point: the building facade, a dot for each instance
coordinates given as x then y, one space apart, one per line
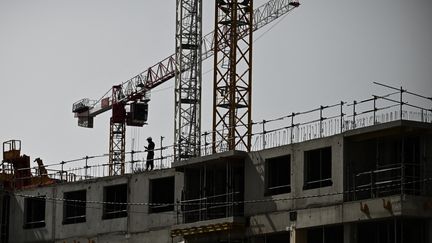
366 185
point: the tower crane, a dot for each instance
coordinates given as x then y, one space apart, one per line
128 101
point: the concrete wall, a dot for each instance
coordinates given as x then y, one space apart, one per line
137 226
16 231
255 178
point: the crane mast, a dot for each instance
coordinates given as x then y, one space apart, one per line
188 79
232 122
135 92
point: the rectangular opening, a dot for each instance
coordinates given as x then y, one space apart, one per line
376 166
317 168
74 207
397 230
325 234
213 191
161 195
116 198
34 212
278 175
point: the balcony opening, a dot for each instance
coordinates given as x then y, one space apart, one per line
278 175
74 207
213 191
116 201
34 212
161 195
317 168
383 165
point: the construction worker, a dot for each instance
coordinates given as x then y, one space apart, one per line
150 153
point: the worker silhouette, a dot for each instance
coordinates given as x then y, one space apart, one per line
150 153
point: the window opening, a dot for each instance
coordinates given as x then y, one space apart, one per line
74 207
115 198
161 195
278 175
34 212
317 168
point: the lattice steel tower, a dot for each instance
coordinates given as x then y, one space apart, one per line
117 133
188 79
232 75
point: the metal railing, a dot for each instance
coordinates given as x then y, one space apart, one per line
296 127
208 207
388 180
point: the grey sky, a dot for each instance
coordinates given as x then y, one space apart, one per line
55 52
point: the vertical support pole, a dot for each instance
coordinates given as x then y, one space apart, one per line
205 142
132 161
263 134
374 109
292 127
401 103
354 113
86 167
62 171
320 122
161 151
341 116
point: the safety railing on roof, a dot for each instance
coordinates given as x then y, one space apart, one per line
296 127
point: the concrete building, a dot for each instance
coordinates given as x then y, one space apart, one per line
365 185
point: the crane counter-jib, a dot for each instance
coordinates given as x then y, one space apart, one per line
141 84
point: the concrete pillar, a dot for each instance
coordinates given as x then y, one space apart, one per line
350 233
297 235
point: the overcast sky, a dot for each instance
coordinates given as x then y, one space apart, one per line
55 52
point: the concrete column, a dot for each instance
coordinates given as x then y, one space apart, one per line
350 233
297 235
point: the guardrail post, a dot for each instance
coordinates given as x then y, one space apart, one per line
354 114
374 109
132 161
321 119
401 101
341 116
86 167
263 133
161 151
62 171
292 128
205 142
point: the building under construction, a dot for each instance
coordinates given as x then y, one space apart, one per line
357 177
349 172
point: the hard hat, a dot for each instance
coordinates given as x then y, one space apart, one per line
149 138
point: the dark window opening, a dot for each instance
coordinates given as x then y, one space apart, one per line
34 212
161 195
393 231
278 175
332 234
74 207
115 198
317 168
